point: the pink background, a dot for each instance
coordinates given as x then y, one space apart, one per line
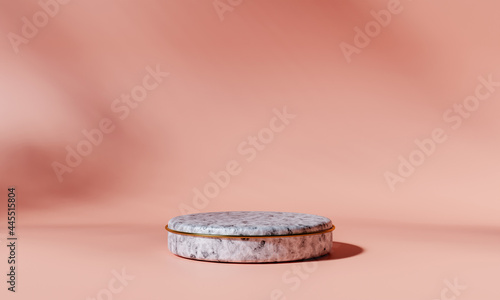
353 120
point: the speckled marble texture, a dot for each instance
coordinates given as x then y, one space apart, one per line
250 223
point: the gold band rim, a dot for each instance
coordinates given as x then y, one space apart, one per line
247 236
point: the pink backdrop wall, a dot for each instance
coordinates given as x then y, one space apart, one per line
231 66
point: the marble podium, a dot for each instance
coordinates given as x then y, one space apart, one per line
250 236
